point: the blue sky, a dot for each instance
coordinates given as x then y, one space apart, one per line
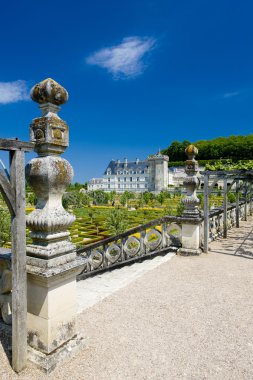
139 73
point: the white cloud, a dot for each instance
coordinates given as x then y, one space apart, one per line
125 60
230 94
12 92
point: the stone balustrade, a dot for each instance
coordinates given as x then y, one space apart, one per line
5 285
160 235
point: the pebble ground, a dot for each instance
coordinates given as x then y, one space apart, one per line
188 318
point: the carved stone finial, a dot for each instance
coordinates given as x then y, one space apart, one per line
191 183
49 91
49 133
49 175
191 151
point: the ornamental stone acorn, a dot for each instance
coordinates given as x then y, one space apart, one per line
191 183
49 91
49 133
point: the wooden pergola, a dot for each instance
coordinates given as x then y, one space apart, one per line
12 187
241 179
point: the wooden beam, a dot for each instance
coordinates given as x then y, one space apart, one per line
13 144
225 208
216 180
230 186
7 193
206 213
18 241
237 216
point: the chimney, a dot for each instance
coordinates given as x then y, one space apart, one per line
137 161
125 162
118 162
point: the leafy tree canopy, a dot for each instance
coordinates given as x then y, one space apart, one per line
232 147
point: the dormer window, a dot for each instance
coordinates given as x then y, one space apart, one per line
109 172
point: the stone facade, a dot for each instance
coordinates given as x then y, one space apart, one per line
95 184
137 176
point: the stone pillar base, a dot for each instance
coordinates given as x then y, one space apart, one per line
188 252
48 362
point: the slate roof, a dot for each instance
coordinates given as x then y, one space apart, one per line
131 165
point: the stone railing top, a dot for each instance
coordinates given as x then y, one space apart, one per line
173 219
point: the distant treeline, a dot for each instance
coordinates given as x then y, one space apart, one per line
233 147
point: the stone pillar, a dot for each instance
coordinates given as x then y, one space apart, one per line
52 264
191 215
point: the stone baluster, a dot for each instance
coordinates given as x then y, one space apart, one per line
191 214
52 264
5 286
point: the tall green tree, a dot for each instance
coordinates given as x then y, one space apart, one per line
116 221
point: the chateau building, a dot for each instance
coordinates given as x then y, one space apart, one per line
95 184
148 175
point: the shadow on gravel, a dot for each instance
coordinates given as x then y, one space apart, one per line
5 339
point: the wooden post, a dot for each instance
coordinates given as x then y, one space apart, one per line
206 213
237 215
164 233
250 199
225 208
18 241
245 200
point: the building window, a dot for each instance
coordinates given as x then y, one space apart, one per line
131 178
138 178
138 186
118 186
125 179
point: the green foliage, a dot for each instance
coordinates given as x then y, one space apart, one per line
148 197
231 197
5 227
100 197
176 150
75 199
169 211
161 197
201 200
31 199
123 200
234 147
111 196
229 165
116 221
180 209
77 186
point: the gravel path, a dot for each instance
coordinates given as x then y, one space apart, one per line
189 318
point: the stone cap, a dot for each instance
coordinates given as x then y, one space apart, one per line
49 91
191 151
